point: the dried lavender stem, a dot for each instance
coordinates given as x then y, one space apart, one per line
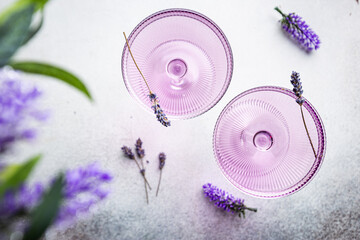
307 131
127 43
142 163
146 191
158 187
142 174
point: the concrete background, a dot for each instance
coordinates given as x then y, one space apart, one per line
86 37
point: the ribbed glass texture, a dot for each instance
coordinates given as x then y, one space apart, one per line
261 144
185 58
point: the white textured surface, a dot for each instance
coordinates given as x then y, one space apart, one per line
86 37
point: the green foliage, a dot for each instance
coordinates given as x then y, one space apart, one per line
45 213
13 175
16 30
34 29
21 4
52 71
13 32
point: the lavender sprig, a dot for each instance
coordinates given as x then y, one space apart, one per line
138 148
162 158
295 81
128 153
23 198
17 109
82 189
299 30
225 200
140 152
160 115
153 98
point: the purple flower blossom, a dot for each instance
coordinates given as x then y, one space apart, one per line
295 81
17 109
299 30
83 188
21 199
128 152
225 201
162 158
161 116
138 148
141 153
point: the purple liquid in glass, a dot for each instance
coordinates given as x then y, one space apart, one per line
185 58
261 145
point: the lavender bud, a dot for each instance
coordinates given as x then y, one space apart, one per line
127 151
162 158
295 81
160 115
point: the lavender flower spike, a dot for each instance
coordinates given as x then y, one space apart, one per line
21 199
154 100
158 111
295 81
83 188
225 201
18 110
138 148
162 158
140 152
299 30
127 151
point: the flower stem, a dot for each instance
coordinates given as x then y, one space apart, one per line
158 187
142 174
282 14
146 191
127 43
250 209
307 131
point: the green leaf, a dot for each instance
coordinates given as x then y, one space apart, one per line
52 71
13 175
44 215
34 30
20 4
13 32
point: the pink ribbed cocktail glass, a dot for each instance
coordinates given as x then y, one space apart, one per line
185 58
261 145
